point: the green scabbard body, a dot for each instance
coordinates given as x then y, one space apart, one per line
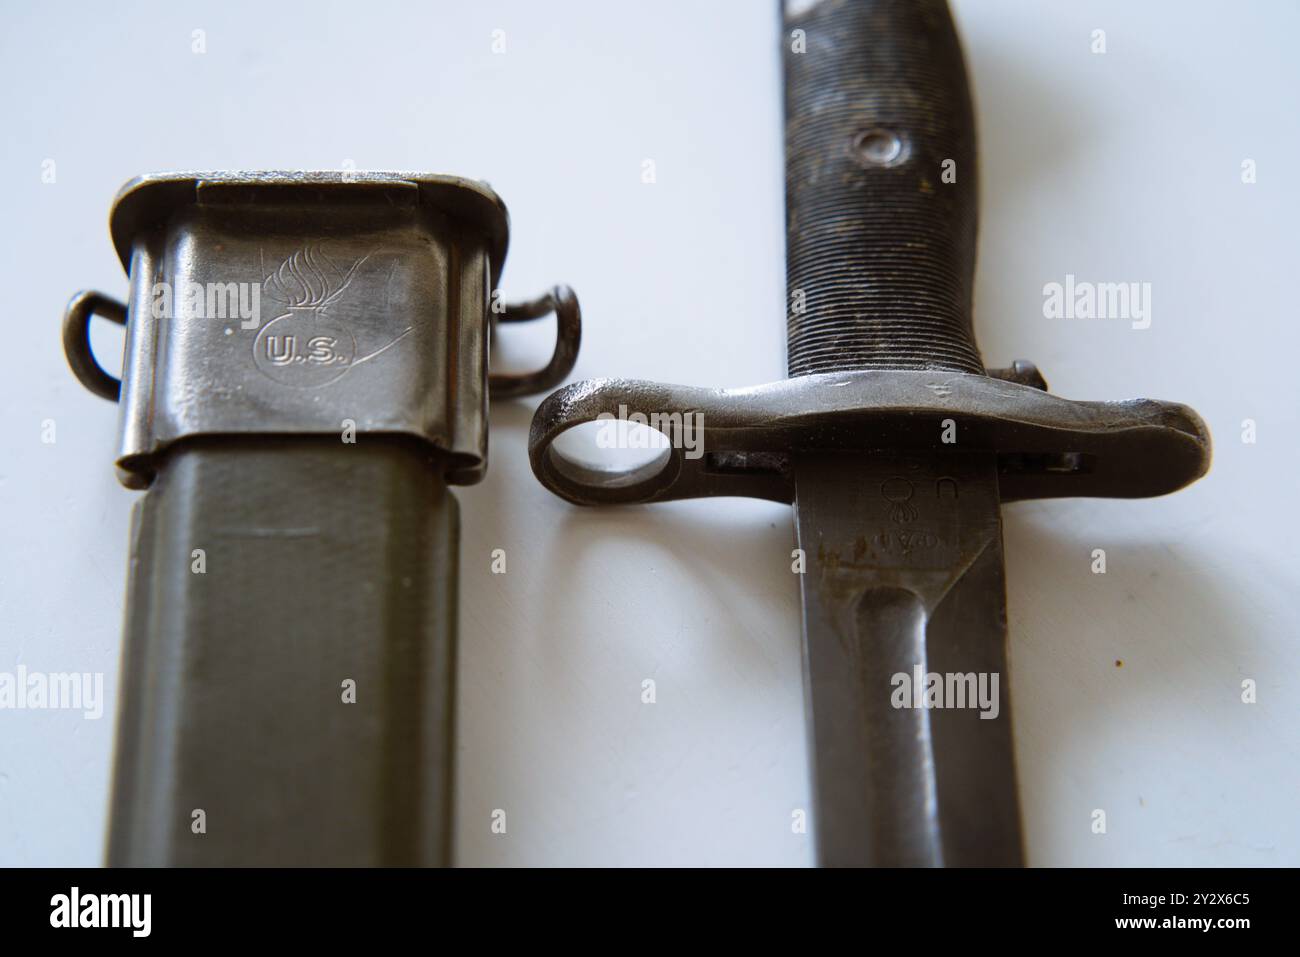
288 674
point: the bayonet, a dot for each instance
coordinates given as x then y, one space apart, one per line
892 441
306 373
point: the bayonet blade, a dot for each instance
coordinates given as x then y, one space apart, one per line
905 659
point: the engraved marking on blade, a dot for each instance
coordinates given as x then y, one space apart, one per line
898 492
906 541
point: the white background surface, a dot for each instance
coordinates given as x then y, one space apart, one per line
1116 167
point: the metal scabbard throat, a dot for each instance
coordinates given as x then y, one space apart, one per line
306 372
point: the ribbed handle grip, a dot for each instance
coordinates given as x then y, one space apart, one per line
881 188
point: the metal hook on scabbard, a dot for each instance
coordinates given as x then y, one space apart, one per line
84 306
568 337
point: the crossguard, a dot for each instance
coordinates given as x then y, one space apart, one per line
1048 447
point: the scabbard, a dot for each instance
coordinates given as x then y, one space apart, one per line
291 699
306 374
